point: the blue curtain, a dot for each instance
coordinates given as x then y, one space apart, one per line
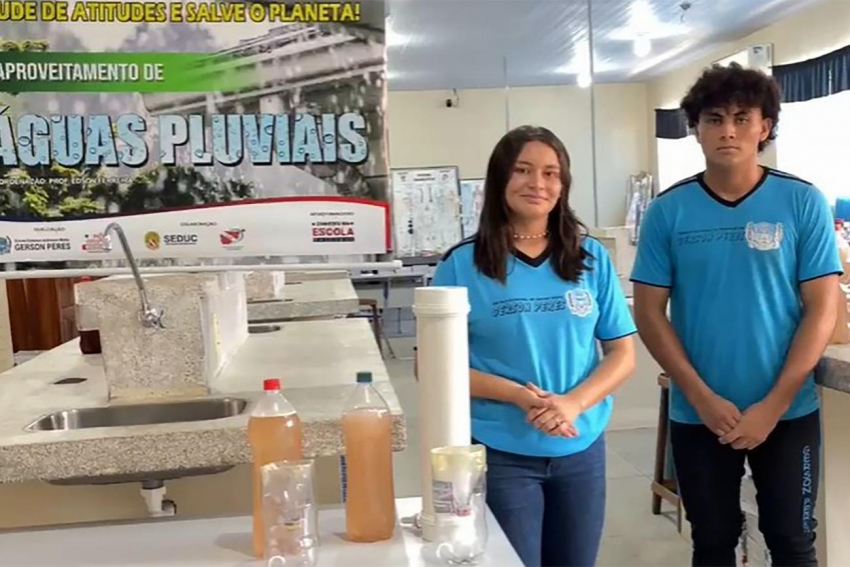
842 209
823 76
671 124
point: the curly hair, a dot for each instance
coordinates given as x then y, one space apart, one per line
722 87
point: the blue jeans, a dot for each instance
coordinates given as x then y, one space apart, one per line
551 509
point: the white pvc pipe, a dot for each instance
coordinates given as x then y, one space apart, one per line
77 272
443 369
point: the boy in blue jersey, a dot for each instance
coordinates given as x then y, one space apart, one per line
541 296
746 257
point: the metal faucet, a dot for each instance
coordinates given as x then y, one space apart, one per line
150 316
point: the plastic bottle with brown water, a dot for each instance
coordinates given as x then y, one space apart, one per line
274 432
370 497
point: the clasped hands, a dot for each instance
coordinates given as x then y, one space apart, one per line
550 413
743 431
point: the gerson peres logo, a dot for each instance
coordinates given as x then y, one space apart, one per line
5 245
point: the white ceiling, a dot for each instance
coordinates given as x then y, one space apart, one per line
446 44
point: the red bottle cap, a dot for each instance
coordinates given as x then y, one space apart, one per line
271 384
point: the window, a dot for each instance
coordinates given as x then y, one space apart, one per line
813 143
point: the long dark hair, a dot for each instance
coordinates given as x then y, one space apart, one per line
494 240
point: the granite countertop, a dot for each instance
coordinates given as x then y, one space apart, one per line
316 360
833 371
314 298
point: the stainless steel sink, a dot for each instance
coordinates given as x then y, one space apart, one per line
140 414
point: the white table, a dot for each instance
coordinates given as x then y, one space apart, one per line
218 542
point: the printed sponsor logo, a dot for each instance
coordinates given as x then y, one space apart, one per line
152 240
96 243
42 245
231 237
333 231
5 245
180 239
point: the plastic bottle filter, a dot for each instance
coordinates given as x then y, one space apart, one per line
442 342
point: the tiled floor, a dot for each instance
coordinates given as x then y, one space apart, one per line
633 537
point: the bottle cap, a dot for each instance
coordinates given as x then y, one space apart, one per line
271 384
439 301
364 377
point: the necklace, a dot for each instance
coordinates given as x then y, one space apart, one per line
531 236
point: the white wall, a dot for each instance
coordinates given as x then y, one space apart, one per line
813 32
566 112
423 132
622 145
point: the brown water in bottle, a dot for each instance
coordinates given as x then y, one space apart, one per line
370 498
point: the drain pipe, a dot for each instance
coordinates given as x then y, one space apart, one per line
153 491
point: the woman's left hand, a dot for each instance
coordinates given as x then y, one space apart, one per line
560 418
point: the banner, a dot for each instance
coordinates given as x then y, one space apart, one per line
163 115
288 226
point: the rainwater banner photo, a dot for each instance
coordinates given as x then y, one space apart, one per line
206 129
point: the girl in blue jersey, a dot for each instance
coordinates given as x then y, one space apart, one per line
542 295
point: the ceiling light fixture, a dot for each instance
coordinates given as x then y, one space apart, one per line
642 47
662 57
643 22
392 38
642 16
584 79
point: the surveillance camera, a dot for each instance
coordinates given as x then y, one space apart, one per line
449 103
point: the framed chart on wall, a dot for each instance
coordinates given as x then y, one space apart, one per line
471 202
426 210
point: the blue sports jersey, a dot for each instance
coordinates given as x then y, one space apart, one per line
538 328
734 271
